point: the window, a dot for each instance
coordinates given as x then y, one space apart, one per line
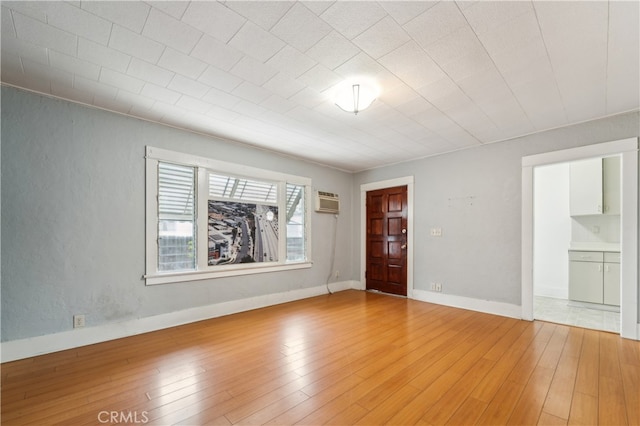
207 219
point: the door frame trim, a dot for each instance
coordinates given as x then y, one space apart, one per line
628 150
372 186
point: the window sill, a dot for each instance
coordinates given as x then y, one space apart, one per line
170 278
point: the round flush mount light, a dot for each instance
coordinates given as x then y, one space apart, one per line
355 96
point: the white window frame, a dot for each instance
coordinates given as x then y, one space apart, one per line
203 167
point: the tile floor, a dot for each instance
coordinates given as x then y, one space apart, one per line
560 311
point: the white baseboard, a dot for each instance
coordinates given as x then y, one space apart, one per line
25 348
478 305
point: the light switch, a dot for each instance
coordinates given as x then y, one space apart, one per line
436 232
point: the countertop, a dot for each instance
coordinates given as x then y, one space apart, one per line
610 247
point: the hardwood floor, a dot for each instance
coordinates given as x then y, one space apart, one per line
348 358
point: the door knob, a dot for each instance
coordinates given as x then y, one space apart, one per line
404 230
404 246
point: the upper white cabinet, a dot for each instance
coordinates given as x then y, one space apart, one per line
595 186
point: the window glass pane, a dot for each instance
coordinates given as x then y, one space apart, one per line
242 232
295 223
176 218
230 187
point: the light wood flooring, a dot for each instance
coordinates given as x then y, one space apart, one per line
348 358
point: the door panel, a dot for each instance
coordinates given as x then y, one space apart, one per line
387 240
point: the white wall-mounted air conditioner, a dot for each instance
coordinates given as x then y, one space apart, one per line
327 202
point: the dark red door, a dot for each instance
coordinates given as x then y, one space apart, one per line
387 240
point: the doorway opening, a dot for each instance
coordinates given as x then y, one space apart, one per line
627 150
576 269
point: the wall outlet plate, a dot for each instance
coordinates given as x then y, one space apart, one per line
78 321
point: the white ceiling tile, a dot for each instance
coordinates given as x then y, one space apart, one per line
34 69
120 80
96 88
333 50
128 14
65 91
623 68
263 13
383 37
134 44
252 70
308 98
220 113
485 16
319 6
36 32
74 65
455 45
220 98
101 55
135 99
161 94
74 20
435 23
8 29
415 106
173 8
398 96
360 65
216 53
33 9
291 62
11 71
23 49
251 92
283 85
149 72
404 11
170 31
512 35
256 42
217 78
484 84
249 108
214 19
181 63
301 28
411 64
352 18
192 104
320 78
188 86
278 104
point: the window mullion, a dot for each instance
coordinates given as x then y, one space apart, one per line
202 231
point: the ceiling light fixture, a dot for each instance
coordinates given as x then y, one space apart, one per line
354 97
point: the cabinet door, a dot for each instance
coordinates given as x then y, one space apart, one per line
611 185
585 183
586 282
612 284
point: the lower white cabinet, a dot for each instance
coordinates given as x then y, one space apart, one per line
594 277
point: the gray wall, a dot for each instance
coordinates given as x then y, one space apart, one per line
73 215
474 195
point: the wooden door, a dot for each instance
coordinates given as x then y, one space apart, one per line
387 240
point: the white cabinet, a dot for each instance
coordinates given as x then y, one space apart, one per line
594 277
611 279
595 186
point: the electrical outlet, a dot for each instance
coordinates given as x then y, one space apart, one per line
337 274
438 287
78 321
433 287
